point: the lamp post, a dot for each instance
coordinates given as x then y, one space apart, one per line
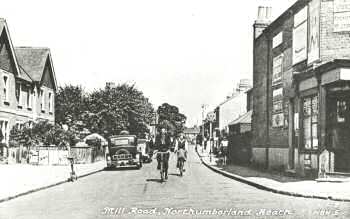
211 118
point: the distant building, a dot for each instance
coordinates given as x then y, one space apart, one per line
191 133
233 106
110 85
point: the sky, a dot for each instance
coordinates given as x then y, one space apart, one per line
183 52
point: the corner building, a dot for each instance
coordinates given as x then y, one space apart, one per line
301 88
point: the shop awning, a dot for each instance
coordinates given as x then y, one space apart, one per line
244 119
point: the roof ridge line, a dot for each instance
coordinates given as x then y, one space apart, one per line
26 72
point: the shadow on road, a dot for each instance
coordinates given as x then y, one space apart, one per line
120 169
174 174
154 180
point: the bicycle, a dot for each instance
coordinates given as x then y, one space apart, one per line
181 162
163 163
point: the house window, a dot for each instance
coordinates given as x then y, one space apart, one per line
30 99
18 94
341 111
280 109
24 98
4 127
277 70
50 102
19 125
6 88
42 103
310 122
286 112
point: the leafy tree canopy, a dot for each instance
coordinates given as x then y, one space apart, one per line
105 111
169 117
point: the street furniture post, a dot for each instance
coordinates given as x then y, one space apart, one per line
73 175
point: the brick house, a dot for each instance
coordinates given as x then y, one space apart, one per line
301 80
27 84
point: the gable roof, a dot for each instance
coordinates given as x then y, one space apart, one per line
3 27
32 61
24 75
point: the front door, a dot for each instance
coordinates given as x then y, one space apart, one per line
338 129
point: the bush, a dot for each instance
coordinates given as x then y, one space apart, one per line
41 133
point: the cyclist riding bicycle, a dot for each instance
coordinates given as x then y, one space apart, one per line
162 144
181 149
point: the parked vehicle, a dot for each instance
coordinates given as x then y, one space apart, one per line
123 152
143 147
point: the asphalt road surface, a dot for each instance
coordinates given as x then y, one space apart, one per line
200 193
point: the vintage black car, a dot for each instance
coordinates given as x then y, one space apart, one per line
123 152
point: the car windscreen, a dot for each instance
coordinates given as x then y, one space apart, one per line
122 141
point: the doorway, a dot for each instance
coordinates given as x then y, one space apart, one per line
338 129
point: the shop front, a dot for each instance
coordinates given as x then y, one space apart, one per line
338 124
321 130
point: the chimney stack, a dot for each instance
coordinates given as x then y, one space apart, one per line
262 21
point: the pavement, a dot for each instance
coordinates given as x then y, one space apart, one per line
130 193
279 183
21 179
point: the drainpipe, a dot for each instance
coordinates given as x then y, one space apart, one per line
268 100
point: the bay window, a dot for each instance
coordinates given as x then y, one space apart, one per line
310 122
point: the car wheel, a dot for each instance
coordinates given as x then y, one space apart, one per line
140 164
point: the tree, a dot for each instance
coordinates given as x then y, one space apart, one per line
120 108
70 104
105 111
170 118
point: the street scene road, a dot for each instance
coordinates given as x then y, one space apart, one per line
140 194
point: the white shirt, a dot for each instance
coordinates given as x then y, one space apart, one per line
177 143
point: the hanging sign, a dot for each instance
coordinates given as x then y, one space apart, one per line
313 52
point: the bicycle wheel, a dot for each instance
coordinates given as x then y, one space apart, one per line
162 168
181 164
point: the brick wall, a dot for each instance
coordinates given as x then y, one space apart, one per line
278 158
277 137
259 116
259 156
332 45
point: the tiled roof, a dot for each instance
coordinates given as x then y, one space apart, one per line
3 27
32 61
245 118
24 75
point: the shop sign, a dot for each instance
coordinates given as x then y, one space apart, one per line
296 121
277 40
277 120
341 5
277 93
211 117
314 32
341 15
299 43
